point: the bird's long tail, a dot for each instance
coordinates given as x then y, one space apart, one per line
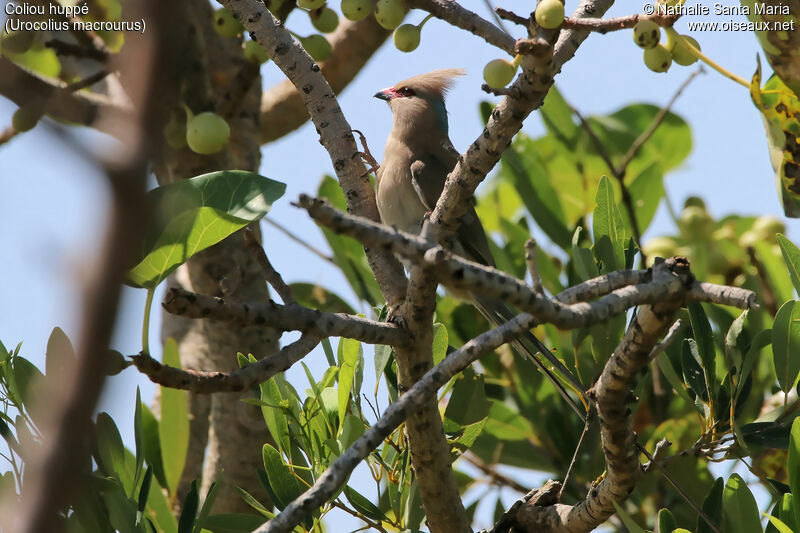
530 346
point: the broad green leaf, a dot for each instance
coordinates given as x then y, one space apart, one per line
189 509
793 467
779 525
173 429
468 403
630 523
284 484
741 510
786 344
349 351
440 343
760 341
666 522
557 117
791 256
348 254
159 509
193 214
779 107
320 298
110 447
786 511
234 523
506 424
60 354
152 444
692 369
43 61
363 505
274 415
776 274
766 435
352 429
583 259
26 377
607 225
712 507
647 190
383 354
705 342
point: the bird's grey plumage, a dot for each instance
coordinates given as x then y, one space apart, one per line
417 159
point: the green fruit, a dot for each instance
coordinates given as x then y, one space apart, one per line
207 133
324 19
695 222
25 118
175 132
767 226
681 53
17 42
406 37
356 10
255 53
646 34
317 47
389 13
226 24
549 14
658 59
311 4
498 73
694 200
661 247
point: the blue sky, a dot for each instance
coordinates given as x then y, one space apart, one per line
52 205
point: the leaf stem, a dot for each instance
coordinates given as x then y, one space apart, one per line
707 60
146 321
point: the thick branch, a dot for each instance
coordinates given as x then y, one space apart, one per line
235 381
57 100
465 19
612 395
283 109
283 317
335 133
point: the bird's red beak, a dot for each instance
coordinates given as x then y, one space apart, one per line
386 94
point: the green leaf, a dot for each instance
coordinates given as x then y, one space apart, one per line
557 116
712 507
284 484
779 525
110 447
760 341
349 353
630 523
363 505
193 214
583 259
766 435
60 354
189 510
692 369
468 403
733 344
793 467
741 510
610 232
26 376
647 190
255 504
152 444
506 424
705 342
319 298
791 256
138 435
233 523
666 522
274 415
440 343
144 494
208 503
786 344
173 430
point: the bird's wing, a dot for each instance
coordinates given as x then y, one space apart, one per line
428 174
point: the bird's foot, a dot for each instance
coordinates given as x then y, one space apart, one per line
366 155
394 316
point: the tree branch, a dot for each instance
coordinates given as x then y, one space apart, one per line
234 381
465 19
335 133
291 317
353 43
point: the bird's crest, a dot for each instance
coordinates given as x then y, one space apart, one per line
437 82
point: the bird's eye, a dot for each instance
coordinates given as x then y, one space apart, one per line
406 91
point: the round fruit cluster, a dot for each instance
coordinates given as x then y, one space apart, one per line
682 49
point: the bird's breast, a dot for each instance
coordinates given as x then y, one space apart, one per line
398 202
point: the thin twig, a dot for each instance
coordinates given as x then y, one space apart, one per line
63 48
270 274
7 134
511 16
88 81
299 241
574 459
495 477
617 23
